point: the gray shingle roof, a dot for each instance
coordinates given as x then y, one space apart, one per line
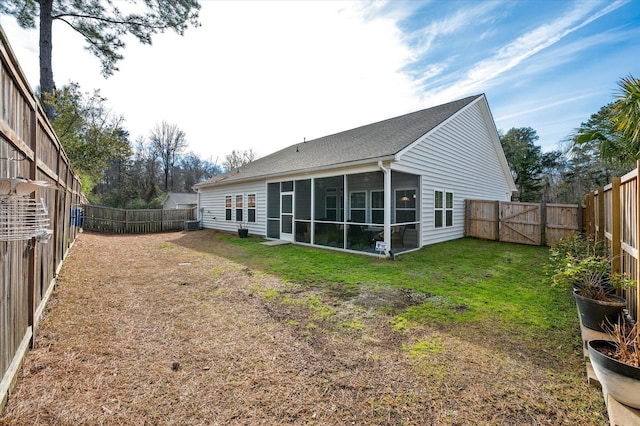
370 142
183 197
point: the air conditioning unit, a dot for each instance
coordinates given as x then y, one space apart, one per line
191 225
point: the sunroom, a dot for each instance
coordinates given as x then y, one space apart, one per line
347 211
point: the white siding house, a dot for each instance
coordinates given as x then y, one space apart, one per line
180 200
214 209
383 188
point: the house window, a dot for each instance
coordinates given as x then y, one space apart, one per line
251 208
332 207
227 207
405 205
443 204
334 204
239 208
377 206
358 207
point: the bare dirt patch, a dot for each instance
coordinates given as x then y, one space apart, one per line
159 330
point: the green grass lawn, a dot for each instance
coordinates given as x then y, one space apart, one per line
480 320
493 289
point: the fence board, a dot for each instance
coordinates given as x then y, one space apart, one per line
121 221
521 223
613 214
29 148
481 219
561 221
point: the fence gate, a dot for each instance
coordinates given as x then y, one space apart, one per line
521 223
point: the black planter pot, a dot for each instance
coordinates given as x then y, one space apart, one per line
595 313
242 233
618 379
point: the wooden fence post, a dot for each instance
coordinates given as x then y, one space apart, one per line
616 237
55 220
33 260
580 218
600 235
498 218
637 239
543 224
467 219
590 226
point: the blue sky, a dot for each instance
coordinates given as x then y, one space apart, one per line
265 75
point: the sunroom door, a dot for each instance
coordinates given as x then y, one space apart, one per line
286 216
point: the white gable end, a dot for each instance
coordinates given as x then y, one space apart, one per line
213 208
459 157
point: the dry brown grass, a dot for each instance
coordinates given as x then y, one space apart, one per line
148 330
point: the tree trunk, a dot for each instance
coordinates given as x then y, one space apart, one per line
166 177
46 70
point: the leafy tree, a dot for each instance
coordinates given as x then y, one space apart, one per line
238 159
193 170
599 137
596 153
168 141
145 169
625 115
133 183
525 161
91 134
102 24
553 165
613 133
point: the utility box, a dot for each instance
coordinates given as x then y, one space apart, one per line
191 225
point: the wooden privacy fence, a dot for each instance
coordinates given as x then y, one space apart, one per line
29 149
121 221
521 223
612 215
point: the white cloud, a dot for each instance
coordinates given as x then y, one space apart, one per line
265 75
527 109
259 75
458 22
486 72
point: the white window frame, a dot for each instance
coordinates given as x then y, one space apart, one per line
251 208
445 210
414 208
359 209
240 209
228 208
376 209
339 208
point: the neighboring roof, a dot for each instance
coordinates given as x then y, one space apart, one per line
183 197
370 142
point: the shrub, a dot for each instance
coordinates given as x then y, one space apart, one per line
584 264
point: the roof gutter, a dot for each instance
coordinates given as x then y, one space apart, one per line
299 171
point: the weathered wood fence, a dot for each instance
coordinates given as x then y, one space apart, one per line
612 215
121 221
522 223
29 149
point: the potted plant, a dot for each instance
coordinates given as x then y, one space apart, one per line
243 231
584 266
617 363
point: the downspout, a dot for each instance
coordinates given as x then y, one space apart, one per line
200 212
387 208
